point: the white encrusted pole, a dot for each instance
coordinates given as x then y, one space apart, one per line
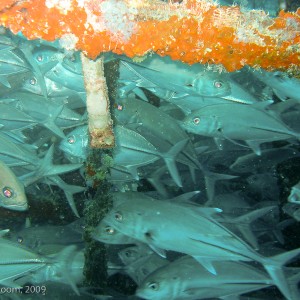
97 103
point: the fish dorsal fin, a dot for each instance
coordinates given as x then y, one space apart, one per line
158 251
274 266
199 150
185 198
170 157
207 212
255 146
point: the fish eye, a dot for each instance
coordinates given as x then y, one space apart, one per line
71 139
40 58
154 286
120 107
20 240
218 84
196 120
32 81
109 230
118 217
7 192
280 76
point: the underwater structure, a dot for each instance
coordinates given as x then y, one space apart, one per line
192 31
149 149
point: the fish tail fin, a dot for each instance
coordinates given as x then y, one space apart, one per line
274 267
155 179
244 222
50 123
169 158
69 192
64 260
210 181
293 282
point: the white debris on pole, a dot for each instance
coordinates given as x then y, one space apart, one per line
97 102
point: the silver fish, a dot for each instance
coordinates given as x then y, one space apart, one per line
165 134
45 112
17 261
68 189
140 268
268 160
250 123
13 119
12 193
183 279
178 77
56 271
57 93
131 254
36 237
14 154
107 234
132 150
45 168
66 77
198 234
283 86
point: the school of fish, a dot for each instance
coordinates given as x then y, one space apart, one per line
203 207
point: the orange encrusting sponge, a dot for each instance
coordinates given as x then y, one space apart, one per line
193 31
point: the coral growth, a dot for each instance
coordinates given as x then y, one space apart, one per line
193 31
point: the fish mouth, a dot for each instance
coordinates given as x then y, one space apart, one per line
140 293
18 207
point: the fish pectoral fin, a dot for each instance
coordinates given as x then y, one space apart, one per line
159 251
255 146
10 283
170 160
207 264
140 93
186 198
133 171
208 212
219 143
4 81
50 122
210 181
191 292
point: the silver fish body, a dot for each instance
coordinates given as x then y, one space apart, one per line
250 124
283 86
184 279
178 77
155 222
15 261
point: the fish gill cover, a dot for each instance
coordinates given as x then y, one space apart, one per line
198 196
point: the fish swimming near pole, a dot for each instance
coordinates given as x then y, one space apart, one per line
198 234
